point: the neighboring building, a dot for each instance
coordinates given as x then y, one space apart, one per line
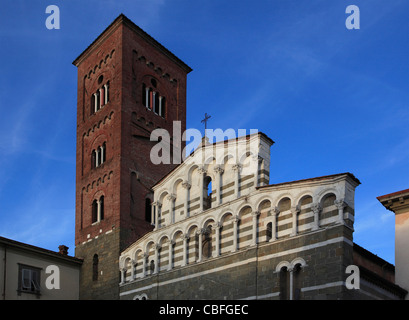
24 272
398 203
212 227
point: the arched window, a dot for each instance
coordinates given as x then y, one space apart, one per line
207 243
101 203
269 231
98 210
162 109
297 282
152 267
156 104
207 193
94 211
95 262
284 284
93 159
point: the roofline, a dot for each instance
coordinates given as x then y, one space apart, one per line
213 144
393 195
29 247
123 19
327 177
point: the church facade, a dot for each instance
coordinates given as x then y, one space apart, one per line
211 227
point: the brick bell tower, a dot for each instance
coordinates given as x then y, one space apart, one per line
128 85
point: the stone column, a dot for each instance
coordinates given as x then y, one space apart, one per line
145 256
236 220
133 264
219 171
202 173
340 204
123 274
157 248
216 253
274 232
316 208
147 97
160 105
106 86
200 233
237 168
294 212
95 103
255 215
187 186
172 199
157 213
290 270
102 97
171 244
99 210
185 238
153 215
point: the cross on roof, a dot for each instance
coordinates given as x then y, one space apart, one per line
207 117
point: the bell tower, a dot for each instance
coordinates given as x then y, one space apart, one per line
128 86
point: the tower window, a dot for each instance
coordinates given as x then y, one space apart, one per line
98 156
98 210
153 100
100 98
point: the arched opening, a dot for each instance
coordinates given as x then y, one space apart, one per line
207 243
101 201
269 231
162 110
284 284
207 193
297 281
94 211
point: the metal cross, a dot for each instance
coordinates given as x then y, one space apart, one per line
207 117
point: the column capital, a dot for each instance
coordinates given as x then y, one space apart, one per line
202 170
275 210
237 166
235 219
340 204
186 185
217 225
171 197
255 213
219 169
296 209
316 207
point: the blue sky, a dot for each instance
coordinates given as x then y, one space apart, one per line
334 100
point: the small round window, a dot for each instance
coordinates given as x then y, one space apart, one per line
100 79
154 83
